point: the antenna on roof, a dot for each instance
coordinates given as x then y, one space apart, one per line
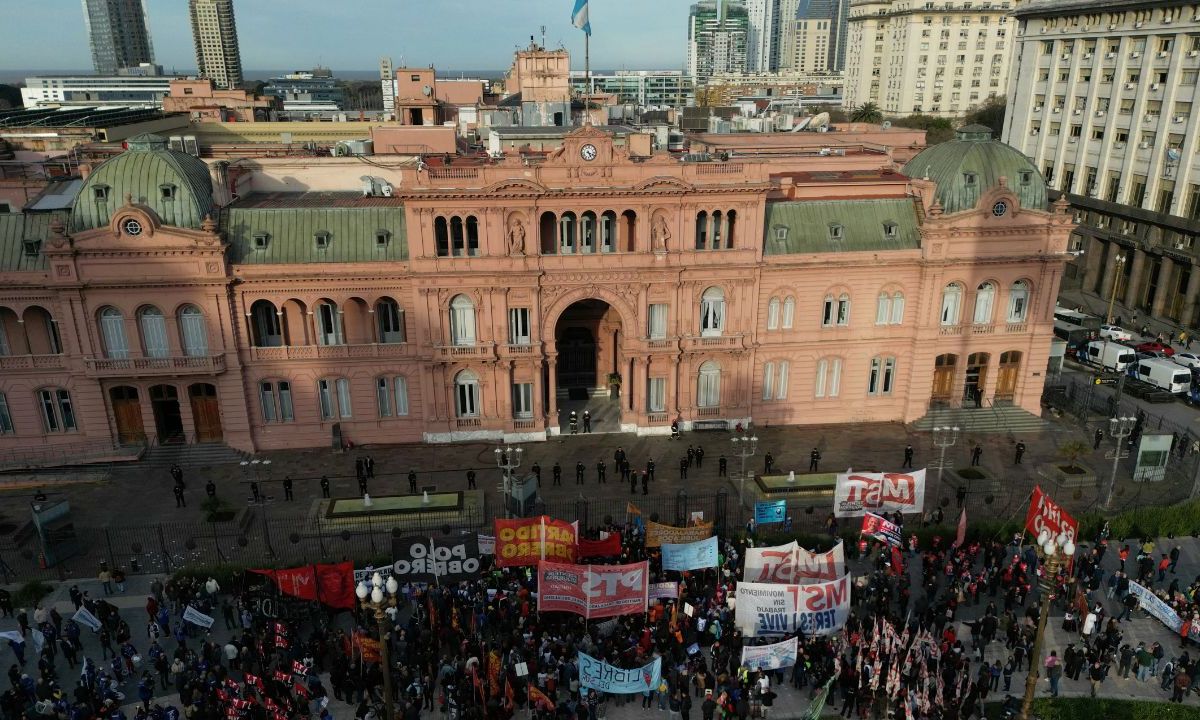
543 37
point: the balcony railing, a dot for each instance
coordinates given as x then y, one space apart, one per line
180 365
1016 327
321 352
714 342
950 330
656 418
708 412
518 349
983 329
452 353
462 423
525 424
667 343
32 362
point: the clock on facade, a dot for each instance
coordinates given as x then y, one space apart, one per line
588 152
1000 208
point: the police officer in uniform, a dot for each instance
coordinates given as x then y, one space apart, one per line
287 488
557 472
600 471
324 486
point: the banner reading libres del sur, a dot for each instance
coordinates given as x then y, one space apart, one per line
772 609
599 675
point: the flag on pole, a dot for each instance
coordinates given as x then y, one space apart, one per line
962 529
579 17
818 703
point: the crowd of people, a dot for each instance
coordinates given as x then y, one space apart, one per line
916 644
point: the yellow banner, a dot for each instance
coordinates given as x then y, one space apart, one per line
657 534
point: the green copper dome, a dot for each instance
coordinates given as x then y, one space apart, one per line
175 185
973 163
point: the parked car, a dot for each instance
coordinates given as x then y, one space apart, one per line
1157 348
1115 332
1189 359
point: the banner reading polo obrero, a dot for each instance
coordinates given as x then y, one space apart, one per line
599 675
593 591
528 541
690 556
1045 514
657 534
771 609
859 492
793 564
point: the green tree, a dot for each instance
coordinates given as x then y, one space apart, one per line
1071 451
989 113
866 113
937 129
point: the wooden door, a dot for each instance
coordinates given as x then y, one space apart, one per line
943 382
206 412
127 411
1006 378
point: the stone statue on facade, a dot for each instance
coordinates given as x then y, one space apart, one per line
516 238
660 234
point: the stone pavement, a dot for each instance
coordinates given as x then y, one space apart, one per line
791 703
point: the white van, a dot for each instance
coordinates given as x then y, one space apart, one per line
1163 374
1110 354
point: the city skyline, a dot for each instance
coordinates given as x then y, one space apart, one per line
625 36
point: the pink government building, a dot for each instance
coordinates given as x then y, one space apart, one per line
297 302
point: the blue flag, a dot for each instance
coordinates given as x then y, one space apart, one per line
579 17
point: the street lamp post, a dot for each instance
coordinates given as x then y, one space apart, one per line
508 458
1119 428
744 447
1119 261
379 597
1053 551
944 438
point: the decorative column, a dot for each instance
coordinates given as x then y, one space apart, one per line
638 385
1091 267
1110 268
1190 296
1133 290
1162 290
552 389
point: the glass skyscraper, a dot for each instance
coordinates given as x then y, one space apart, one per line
118 34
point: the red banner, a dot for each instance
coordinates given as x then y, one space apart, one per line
608 547
593 591
368 648
298 582
1045 514
331 584
528 541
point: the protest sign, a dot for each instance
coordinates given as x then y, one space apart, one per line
775 609
1165 614
599 675
793 564
593 591
856 493
527 541
195 617
87 619
882 529
1045 514
770 657
657 534
436 560
487 544
770 511
692 556
663 591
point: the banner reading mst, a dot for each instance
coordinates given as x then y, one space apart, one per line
858 492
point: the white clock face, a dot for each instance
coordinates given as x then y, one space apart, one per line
588 152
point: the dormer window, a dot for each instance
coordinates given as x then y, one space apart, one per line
33 248
166 191
781 233
1026 177
890 230
100 192
260 241
382 238
322 238
835 232
969 179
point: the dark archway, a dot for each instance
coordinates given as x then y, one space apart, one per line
168 421
587 337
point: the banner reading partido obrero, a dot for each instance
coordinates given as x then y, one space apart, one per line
593 591
599 675
793 564
773 609
859 492
527 541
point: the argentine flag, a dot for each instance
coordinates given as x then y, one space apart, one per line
579 17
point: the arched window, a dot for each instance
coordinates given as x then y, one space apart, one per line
789 313
457 237
951 304
112 330
58 413
701 230
441 236
264 324
329 324
985 297
567 228
472 236
193 331
773 314
1018 302
462 321
466 394
718 230
608 232
712 312
154 332
730 222
390 318
708 386
587 233
883 308
897 308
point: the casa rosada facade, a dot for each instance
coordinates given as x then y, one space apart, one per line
294 304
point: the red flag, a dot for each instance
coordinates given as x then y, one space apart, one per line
298 582
962 529
608 547
301 690
222 695
335 584
254 680
282 677
299 668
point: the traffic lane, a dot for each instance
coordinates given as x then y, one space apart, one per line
1177 412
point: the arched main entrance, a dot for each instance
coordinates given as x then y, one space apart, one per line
206 412
168 420
587 338
127 411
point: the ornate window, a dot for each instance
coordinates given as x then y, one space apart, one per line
985 297
333 396
1018 302
154 332
789 312
773 314
112 330
829 377
391 395
390 317
883 375
58 414
275 397
462 321
712 312
193 331
466 394
708 386
951 304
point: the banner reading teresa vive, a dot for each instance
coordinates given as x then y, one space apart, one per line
593 591
528 541
770 609
429 560
692 556
859 492
599 675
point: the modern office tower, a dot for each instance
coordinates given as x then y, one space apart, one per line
118 34
717 31
215 35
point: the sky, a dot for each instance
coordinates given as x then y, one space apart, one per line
354 34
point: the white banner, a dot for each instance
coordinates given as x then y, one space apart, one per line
770 657
793 564
487 544
84 617
772 609
195 617
856 493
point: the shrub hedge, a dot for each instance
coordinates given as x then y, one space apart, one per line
1093 708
